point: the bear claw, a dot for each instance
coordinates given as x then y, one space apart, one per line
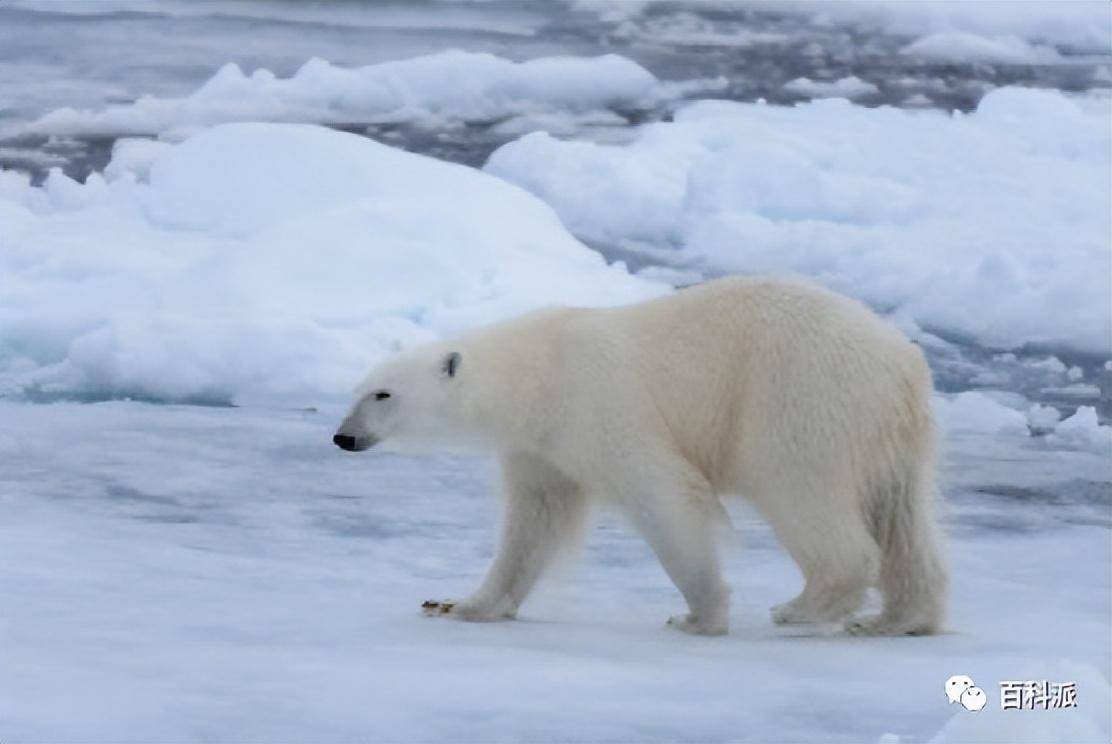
433 608
467 611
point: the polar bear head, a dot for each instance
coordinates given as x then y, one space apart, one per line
417 395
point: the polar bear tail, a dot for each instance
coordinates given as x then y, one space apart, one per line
913 575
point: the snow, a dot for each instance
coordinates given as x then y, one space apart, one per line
183 573
876 203
847 87
686 29
1083 429
445 86
451 15
1049 364
965 47
134 155
1084 25
29 156
1042 419
975 411
1077 390
1009 415
267 261
83 54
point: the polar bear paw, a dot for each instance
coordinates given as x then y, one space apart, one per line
878 625
689 623
791 613
435 608
471 612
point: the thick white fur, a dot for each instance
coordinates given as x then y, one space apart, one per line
799 399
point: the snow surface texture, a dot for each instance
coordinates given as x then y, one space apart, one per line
80 56
452 15
992 225
186 574
847 87
963 47
262 261
990 413
448 86
1083 25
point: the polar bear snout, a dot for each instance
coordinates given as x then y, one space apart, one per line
354 444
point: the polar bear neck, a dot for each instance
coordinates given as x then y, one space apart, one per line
506 391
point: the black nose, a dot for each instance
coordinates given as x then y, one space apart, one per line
343 441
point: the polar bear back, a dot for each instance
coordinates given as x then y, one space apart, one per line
765 373
743 376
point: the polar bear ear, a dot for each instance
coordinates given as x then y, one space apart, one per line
451 364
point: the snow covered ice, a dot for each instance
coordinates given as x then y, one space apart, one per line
847 87
177 572
873 202
204 573
450 85
263 261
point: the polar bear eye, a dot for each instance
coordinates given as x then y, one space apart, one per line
382 395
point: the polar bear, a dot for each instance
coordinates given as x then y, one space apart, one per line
796 398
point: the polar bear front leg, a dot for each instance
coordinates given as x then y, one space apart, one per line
544 512
674 509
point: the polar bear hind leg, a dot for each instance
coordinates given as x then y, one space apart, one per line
838 558
913 574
